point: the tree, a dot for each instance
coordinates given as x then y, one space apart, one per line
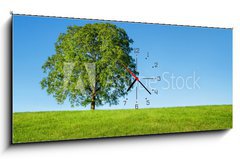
87 67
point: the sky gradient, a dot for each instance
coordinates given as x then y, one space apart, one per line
184 54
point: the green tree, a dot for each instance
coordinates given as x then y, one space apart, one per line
87 67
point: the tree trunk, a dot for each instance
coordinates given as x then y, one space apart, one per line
93 102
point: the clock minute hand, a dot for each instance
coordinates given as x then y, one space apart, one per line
144 87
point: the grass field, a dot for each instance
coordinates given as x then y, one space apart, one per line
64 125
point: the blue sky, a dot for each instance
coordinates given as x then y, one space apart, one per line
184 54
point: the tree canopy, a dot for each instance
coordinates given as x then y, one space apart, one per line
87 66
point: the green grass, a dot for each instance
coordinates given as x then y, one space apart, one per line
64 125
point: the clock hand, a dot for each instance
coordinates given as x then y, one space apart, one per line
131 85
134 76
144 87
136 79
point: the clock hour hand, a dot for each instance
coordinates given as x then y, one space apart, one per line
131 85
